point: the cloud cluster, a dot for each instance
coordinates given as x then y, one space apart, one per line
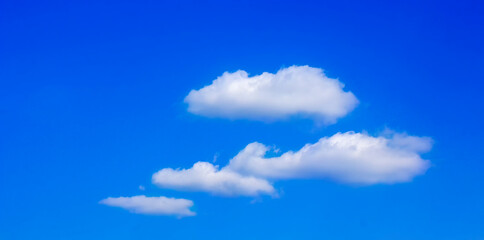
350 157
294 91
353 158
152 205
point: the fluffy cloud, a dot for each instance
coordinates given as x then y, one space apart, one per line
346 157
205 177
297 90
355 158
152 205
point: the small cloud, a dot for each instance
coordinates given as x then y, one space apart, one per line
141 187
294 91
215 157
276 150
205 177
152 205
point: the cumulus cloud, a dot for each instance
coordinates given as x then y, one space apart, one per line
205 177
346 157
355 158
152 205
294 91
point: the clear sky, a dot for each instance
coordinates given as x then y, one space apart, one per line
93 103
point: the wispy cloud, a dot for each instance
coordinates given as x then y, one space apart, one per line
294 91
152 205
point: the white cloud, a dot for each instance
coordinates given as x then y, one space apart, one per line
355 158
298 90
346 157
152 205
205 177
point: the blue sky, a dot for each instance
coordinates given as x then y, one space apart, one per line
93 103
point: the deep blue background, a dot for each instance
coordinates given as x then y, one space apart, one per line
91 104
